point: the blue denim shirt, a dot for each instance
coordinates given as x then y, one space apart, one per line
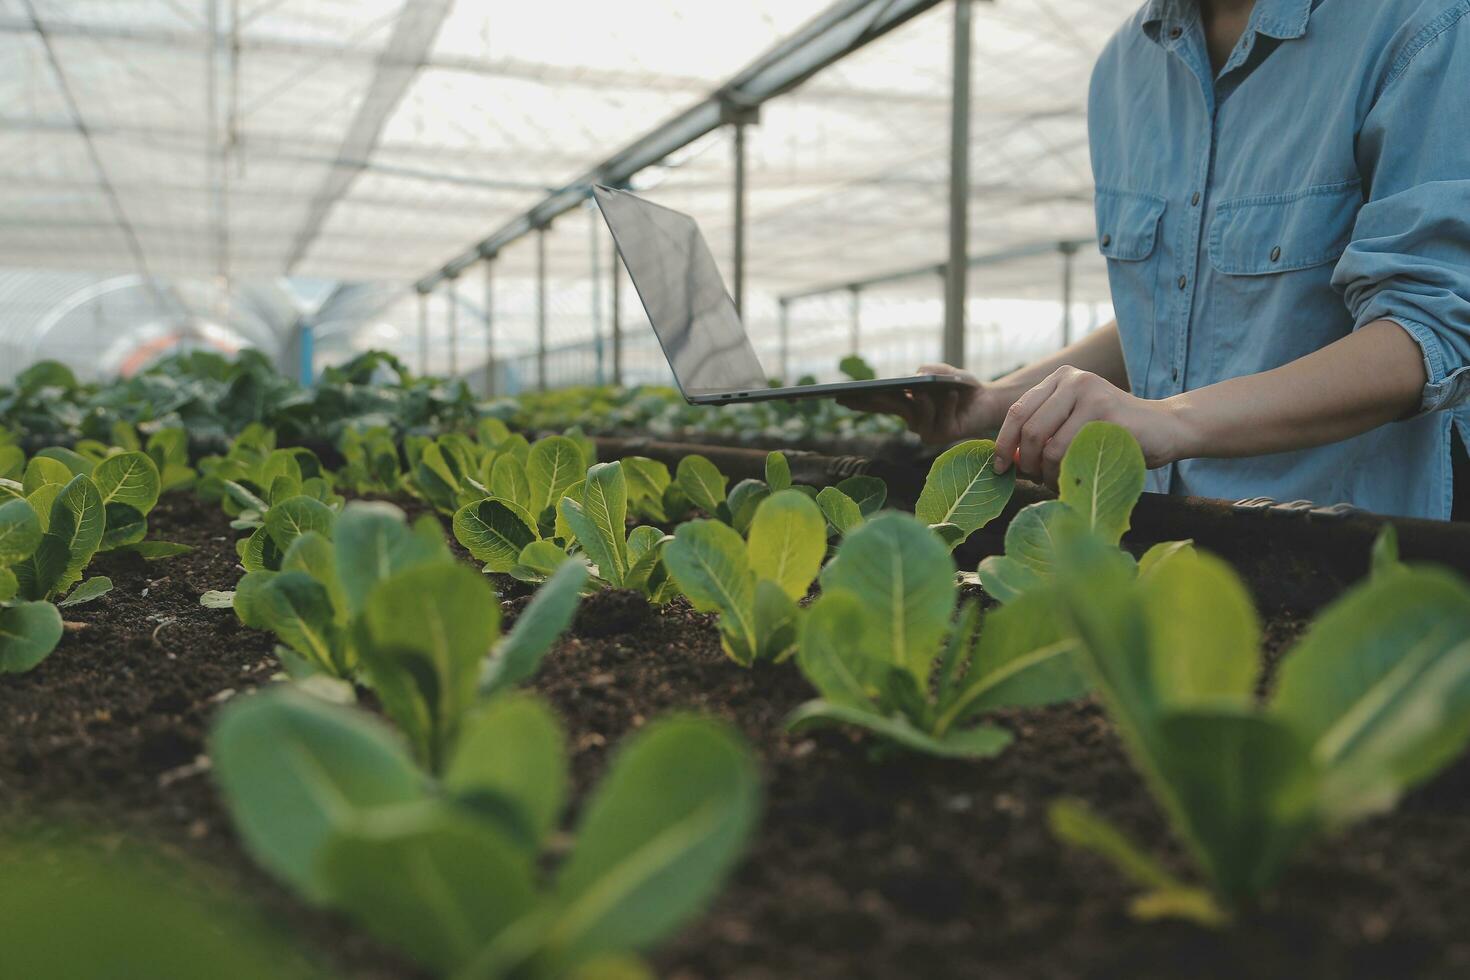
1320 182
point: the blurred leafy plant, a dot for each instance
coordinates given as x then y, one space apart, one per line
449 869
1372 701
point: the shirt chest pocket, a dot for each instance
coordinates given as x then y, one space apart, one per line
1129 229
1270 298
1263 236
1127 224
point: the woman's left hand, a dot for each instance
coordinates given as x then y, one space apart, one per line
1042 423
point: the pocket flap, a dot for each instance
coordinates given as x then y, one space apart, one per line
1259 236
1127 224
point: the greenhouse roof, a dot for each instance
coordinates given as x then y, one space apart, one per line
372 141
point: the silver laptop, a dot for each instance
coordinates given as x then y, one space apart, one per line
692 312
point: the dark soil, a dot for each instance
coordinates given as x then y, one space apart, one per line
895 867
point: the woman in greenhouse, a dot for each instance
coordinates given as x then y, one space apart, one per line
1283 198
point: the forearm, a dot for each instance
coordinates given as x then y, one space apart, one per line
1100 352
1369 378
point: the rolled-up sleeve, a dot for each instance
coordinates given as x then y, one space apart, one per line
1409 258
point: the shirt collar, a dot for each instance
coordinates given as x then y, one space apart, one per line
1281 19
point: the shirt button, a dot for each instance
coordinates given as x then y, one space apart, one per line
1183 281
1107 240
1175 33
1276 253
1194 201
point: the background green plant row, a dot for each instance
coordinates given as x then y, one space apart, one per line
215 398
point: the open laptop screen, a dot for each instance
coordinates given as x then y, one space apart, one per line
686 300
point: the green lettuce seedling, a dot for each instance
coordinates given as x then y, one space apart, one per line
882 649
128 483
1372 701
169 450
589 526
313 569
753 582
254 476
850 503
29 631
442 470
450 869
845 506
371 595
648 481
596 515
697 483
1101 481
963 493
371 464
454 472
12 461
281 524
73 523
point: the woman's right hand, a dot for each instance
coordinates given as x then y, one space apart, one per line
940 413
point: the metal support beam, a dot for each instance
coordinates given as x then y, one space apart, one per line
957 269
1069 253
423 332
833 34
594 243
936 268
451 309
785 327
617 317
541 308
412 39
855 314
738 117
490 327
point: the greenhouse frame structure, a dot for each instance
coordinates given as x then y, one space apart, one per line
851 71
845 27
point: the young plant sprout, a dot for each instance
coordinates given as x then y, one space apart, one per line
448 867
1374 700
72 521
29 630
882 647
368 593
1101 481
963 493
752 582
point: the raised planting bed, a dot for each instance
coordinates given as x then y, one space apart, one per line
1294 559
901 865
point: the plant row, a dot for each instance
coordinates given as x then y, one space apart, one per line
215 398
61 508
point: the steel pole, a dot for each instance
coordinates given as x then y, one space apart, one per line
423 333
617 317
593 258
489 327
541 308
957 269
855 313
451 296
738 259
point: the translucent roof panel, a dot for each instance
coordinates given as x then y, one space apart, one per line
217 146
